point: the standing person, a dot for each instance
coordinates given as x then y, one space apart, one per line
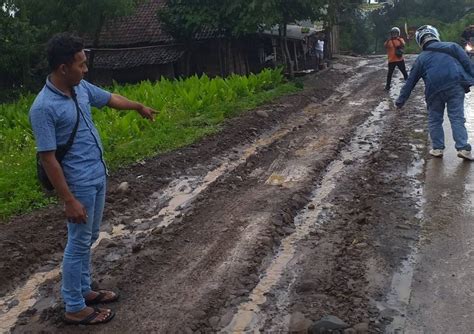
394 46
319 51
448 74
80 179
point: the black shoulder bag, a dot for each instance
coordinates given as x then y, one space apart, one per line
467 88
399 50
60 153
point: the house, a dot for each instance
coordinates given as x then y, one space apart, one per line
137 47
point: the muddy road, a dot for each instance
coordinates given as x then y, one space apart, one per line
316 205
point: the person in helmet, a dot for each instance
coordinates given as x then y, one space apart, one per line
394 46
448 74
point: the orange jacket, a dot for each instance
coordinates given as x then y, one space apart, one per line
391 44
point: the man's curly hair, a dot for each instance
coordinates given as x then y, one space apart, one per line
61 49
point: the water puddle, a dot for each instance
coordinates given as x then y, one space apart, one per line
469 111
248 317
416 167
399 297
117 231
23 299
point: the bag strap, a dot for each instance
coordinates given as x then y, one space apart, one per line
67 146
398 39
74 131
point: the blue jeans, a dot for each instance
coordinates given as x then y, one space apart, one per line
454 99
77 255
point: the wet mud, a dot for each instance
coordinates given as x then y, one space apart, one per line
267 226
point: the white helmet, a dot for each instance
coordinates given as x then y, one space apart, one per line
426 33
395 30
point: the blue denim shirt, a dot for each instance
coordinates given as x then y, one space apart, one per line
53 116
439 71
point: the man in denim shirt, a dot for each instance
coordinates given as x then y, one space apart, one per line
80 179
447 73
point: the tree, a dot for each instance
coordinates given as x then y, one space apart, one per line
184 19
85 17
416 12
26 25
228 19
17 45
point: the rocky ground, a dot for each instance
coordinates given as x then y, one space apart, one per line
297 217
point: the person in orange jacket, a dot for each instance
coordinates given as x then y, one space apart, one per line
394 46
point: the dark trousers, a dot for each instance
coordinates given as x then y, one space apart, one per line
391 67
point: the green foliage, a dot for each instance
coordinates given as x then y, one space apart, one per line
446 11
84 16
449 32
16 48
189 109
356 34
231 18
26 25
452 32
446 15
184 19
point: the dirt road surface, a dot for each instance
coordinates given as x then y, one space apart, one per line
321 204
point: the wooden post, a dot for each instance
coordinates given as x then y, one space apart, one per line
274 51
304 55
296 56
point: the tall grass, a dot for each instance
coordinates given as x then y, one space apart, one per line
188 110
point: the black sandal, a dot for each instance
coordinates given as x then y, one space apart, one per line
101 298
89 320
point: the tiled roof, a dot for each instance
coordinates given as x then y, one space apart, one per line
113 59
143 27
139 39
